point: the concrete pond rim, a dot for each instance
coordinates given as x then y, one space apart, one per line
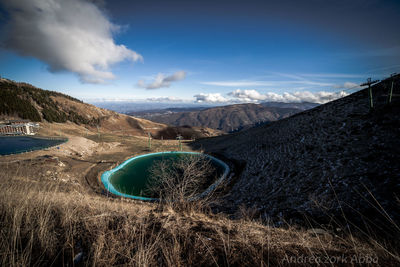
105 176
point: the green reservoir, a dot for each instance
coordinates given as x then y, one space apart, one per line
130 179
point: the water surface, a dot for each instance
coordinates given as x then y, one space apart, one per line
19 144
130 179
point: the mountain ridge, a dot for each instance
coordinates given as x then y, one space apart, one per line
25 101
227 118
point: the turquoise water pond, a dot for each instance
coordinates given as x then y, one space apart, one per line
19 144
130 178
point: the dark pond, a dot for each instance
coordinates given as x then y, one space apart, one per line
19 144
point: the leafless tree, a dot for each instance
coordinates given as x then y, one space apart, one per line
180 179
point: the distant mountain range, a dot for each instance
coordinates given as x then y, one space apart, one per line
228 118
25 101
131 106
163 111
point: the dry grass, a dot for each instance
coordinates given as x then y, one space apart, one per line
47 223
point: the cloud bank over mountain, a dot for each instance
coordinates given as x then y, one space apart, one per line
253 96
74 36
295 97
210 98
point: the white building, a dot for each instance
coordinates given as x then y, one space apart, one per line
18 127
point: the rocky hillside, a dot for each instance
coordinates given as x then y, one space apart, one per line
339 159
226 118
24 101
301 106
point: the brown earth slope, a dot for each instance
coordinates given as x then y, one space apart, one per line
339 158
24 101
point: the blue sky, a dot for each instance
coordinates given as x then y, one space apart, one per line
205 51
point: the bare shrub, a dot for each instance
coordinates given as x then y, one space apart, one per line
182 179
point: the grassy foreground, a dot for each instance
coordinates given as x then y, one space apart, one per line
50 221
54 225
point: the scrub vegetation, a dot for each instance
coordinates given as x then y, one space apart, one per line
180 179
51 223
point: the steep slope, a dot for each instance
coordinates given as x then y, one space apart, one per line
24 101
301 106
226 118
338 158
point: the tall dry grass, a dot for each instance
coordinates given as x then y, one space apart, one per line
47 224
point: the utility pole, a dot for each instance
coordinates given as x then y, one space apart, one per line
98 132
179 137
149 140
369 83
391 88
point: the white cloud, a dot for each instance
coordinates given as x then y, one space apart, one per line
317 97
163 81
73 35
210 98
164 99
303 96
347 85
247 95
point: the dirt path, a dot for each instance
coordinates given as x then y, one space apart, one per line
92 176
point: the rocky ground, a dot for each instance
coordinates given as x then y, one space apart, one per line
337 161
